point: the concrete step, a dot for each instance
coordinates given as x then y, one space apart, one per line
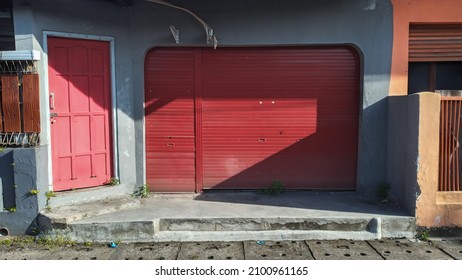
230 217
61 217
240 229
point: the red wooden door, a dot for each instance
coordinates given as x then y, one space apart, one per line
169 120
80 106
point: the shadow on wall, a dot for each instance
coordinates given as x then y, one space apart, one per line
403 137
7 180
402 173
303 154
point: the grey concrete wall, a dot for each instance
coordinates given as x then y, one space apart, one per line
366 24
363 23
7 198
21 178
403 150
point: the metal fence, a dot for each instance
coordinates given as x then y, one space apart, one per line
449 166
19 104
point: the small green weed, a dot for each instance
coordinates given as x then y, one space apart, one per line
277 187
382 191
87 243
22 240
55 241
33 192
113 181
49 195
142 191
6 242
11 209
424 236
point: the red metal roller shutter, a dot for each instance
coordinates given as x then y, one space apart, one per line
249 116
169 120
287 114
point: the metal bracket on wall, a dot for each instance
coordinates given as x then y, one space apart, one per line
175 34
211 38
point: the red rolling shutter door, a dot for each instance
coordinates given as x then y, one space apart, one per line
169 120
252 116
280 114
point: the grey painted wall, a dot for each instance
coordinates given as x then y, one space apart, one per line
367 24
19 176
7 199
403 150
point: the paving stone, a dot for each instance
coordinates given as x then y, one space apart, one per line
211 251
25 254
146 251
342 250
95 252
277 250
452 246
402 249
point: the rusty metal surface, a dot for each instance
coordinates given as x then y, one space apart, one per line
449 169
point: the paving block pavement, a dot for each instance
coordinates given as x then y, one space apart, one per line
211 251
385 249
81 253
403 249
452 246
343 250
276 250
26 254
142 251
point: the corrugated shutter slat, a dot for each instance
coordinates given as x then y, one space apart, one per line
435 42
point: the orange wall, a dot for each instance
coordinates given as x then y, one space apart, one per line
415 11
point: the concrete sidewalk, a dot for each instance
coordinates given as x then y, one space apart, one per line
230 216
387 249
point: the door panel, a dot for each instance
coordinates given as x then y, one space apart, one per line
169 111
287 115
80 108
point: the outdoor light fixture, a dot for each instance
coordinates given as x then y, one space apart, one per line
211 39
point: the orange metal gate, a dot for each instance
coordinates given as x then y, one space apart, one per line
449 171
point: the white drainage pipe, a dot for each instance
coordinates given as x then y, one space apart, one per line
4 231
